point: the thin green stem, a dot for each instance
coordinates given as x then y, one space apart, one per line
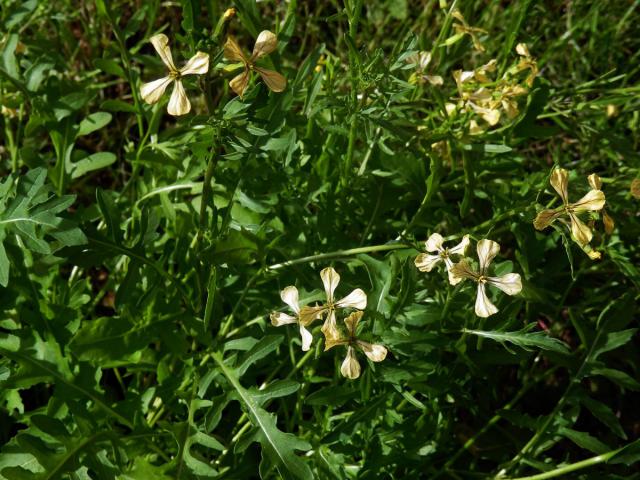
589 462
339 253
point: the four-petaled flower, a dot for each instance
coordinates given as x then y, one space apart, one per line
290 296
422 61
350 367
356 299
593 201
265 44
152 91
509 283
596 183
426 262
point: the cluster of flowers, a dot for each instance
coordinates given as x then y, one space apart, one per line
511 284
333 335
567 213
199 65
478 93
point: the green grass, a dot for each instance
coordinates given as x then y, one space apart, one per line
141 254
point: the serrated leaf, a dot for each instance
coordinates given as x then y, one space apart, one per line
524 339
279 446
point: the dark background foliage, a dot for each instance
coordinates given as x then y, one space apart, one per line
143 253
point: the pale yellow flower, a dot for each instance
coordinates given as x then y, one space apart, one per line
510 283
609 225
265 44
426 262
152 91
634 188
356 299
526 62
422 60
463 28
593 201
290 296
350 366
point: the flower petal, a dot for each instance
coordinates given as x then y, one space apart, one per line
461 248
178 103
356 299
487 250
275 81
307 338
330 329
609 224
152 91
280 318
511 283
350 367
595 181
426 262
330 280
309 314
161 43
484 307
265 44
593 201
290 296
434 243
453 279
233 52
239 83
560 182
434 80
546 218
330 342
461 271
352 322
197 65
373 351
580 232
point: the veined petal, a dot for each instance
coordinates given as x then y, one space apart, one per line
239 83
306 337
453 279
275 81
373 351
233 52
546 218
161 43
580 232
152 91
280 318
484 307
462 270
426 262
329 328
594 181
461 248
290 296
434 243
265 44
330 342
487 250
593 201
350 367
309 314
178 103
356 299
352 322
197 65
511 283
560 182
330 280
609 224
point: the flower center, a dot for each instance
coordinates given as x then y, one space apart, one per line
444 254
482 279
